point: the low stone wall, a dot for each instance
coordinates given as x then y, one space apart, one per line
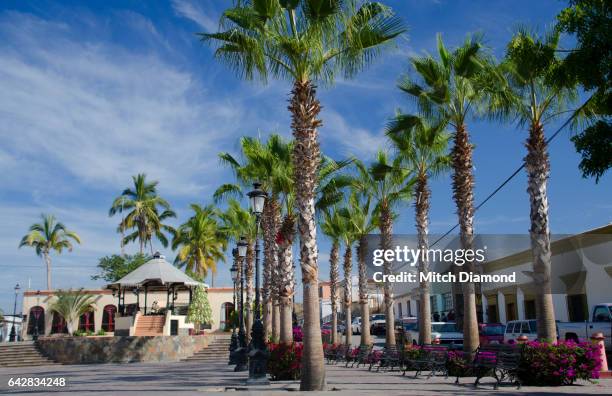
83 350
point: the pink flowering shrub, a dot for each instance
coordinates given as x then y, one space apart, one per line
285 361
559 364
457 365
542 364
374 357
297 334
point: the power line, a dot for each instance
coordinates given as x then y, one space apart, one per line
520 168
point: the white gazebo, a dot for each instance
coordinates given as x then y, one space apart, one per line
156 276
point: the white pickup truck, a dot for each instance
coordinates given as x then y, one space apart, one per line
601 321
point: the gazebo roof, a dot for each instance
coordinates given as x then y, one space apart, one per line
157 270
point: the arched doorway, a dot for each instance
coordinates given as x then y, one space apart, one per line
108 318
86 322
36 321
58 325
226 313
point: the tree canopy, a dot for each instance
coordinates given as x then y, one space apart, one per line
114 267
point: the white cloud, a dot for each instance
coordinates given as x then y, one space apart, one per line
102 113
200 13
349 139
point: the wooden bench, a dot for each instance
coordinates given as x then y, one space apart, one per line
341 352
432 358
330 353
390 358
498 361
362 355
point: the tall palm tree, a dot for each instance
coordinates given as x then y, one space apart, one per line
49 235
535 100
200 242
359 213
332 225
70 305
238 222
304 41
389 183
451 89
348 237
270 164
285 274
423 147
147 211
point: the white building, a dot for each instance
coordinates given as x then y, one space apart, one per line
152 298
581 278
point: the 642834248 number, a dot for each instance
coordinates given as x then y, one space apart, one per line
33 382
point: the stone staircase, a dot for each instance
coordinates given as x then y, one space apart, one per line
22 354
216 352
152 325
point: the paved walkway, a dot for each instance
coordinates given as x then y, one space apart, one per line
178 379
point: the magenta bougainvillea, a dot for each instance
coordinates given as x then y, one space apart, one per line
560 363
285 361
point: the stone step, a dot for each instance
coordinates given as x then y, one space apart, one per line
22 355
20 364
26 361
14 355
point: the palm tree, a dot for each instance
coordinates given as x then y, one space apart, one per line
363 220
70 305
304 41
451 89
238 222
286 274
423 147
332 225
46 236
348 237
389 183
200 242
147 211
535 100
271 165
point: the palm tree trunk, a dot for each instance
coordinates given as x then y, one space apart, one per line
538 169
286 279
386 228
250 261
362 249
47 258
422 220
305 108
348 291
270 220
463 194
276 319
333 289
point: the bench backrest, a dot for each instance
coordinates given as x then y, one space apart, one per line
498 354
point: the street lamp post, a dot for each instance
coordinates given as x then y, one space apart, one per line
240 353
258 353
234 342
13 335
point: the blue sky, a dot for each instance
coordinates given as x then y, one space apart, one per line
94 92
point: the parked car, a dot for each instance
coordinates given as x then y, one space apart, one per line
601 322
378 324
517 328
491 333
380 328
328 326
356 325
447 332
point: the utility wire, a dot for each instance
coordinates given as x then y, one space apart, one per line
554 135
